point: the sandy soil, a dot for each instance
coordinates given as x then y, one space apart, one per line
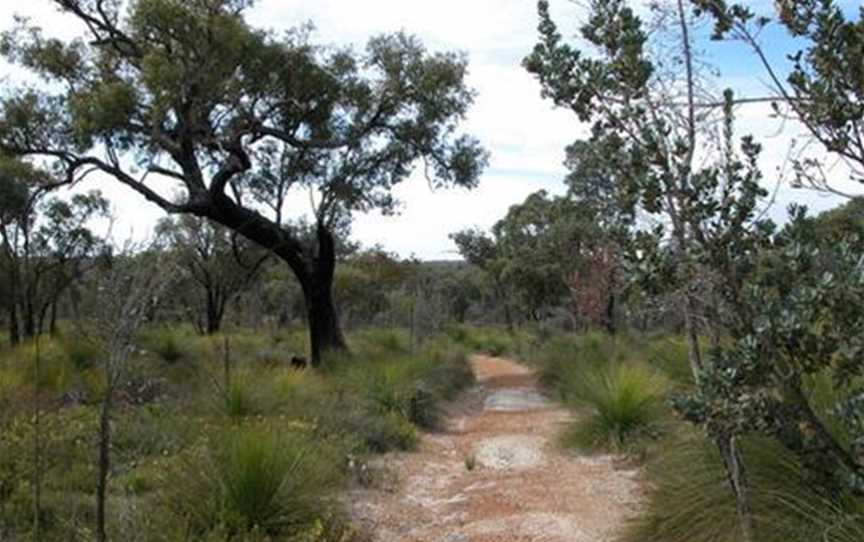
495 474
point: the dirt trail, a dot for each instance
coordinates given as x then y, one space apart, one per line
495 474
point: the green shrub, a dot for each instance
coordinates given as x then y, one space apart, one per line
55 371
171 344
624 402
67 466
241 400
489 340
410 386
671 355
380 342
450 369
150 430
689 499
83 352
255 479
563 359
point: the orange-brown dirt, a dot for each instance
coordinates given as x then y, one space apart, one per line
496 474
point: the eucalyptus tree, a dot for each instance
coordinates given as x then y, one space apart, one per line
539 250
160 95
543 241
481 250
46 242
219 263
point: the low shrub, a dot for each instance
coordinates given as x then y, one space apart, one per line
562 361
83 352
243 398
171 344
375 343
624 403
254 479
66 466
488 340
55 371
689 499
670 354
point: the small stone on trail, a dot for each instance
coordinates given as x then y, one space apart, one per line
510 452
514 400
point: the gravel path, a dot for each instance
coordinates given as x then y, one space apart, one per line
495 475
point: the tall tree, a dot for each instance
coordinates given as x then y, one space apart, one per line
538 251
658 124
481 250
46 244
192 97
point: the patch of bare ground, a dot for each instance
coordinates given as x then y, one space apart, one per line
495 474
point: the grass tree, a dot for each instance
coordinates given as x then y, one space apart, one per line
159 95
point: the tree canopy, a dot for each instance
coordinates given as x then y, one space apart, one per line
161 94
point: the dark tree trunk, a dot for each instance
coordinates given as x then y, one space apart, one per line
14 332
325 334
29 319
43 315
52 322
313 271
215 312
104 464
609 318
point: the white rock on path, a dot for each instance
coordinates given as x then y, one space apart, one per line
510 452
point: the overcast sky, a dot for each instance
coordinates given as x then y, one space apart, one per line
525 135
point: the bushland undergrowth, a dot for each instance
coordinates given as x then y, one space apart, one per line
216 438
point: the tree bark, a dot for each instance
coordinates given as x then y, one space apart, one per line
325 334
52 322
29 317
14 332
734 467
215 312
314 271
104 463
609 317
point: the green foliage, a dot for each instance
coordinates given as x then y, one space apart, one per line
669 354
171 344
824 81
618 396
56 369
625 403
562 358
240 398
183 78
254 479
259 461
803 309
489 340
83 352
406 386
66 463
689 499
